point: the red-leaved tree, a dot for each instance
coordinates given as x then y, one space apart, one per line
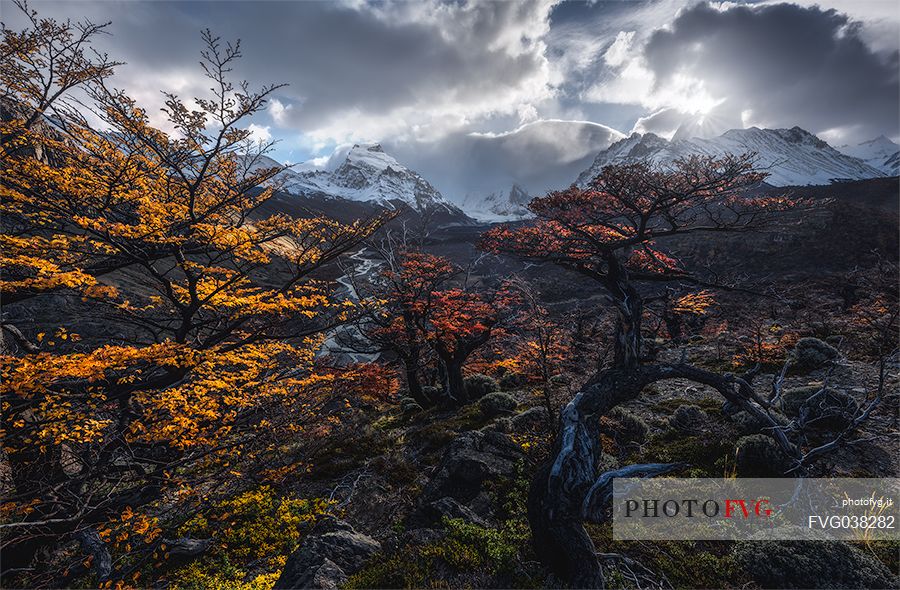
396 309
459 323
610 232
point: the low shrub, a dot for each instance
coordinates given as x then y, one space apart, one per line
478 385
512 380
823 408
811 564
747 423
811 353
496 404
252 534
688 418
464 549
627 427
757 455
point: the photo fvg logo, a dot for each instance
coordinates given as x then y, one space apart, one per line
755 508
693 507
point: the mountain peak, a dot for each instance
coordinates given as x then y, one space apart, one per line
369 174
793 156
799 135
373 147
880 153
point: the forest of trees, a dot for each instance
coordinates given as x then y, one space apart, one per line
167 389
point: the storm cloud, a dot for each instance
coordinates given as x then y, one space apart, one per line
783 65
354 70
477 94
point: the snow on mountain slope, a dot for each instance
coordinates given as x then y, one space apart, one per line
881 153
792 156
367 174
498 205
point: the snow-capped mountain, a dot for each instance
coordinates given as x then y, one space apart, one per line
498 205
791 156
367 174
881 153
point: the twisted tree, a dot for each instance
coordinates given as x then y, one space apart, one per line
610 233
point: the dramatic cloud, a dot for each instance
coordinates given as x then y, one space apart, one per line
355 70
662 122
479 94
537 156
784 65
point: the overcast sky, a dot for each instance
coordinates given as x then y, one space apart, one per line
428 78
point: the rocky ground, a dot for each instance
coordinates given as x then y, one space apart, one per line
437 498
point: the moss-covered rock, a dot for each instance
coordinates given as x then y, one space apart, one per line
811 353
478 385
757 455
496 404
811 564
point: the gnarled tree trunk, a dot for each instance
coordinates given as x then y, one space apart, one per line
562 493
456 385
413 384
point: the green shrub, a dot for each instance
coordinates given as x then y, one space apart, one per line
757 455
811 353
512 380
252 534
465 549
688 418
823 408
627 426
497 403
747 423
478 385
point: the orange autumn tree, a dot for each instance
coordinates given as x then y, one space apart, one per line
611 232
541 345
193 322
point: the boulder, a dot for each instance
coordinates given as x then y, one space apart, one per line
471 459
331 553
433 513
812 564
